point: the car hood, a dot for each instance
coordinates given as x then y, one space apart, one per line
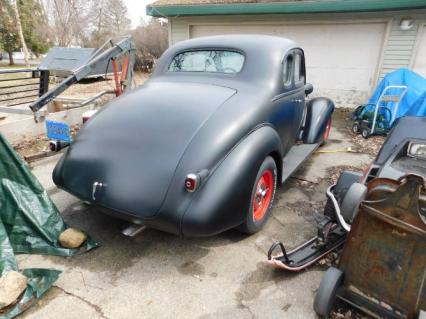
134 145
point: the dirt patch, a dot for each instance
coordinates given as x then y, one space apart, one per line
370 146
39 144
89 87
333 173
347 313
84 89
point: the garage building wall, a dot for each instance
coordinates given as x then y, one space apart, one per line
398 49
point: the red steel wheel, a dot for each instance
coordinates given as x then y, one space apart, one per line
262 197
326 132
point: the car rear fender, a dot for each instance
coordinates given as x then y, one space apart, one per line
318 112
223 199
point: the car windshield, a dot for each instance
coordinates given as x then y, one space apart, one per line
219 61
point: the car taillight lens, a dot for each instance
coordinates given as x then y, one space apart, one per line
192 182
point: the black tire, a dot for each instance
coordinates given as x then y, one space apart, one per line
250 225
353 198
355 128
365 133
326 295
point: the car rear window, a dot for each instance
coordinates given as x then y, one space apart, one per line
216 61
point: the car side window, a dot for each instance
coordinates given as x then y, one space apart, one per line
299 69
288 72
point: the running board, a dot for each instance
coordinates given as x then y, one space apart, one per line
295 158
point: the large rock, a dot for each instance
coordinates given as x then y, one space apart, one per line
12 285
72 238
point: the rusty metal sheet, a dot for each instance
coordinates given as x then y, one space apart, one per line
384 258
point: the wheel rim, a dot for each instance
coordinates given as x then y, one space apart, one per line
327 130
263 195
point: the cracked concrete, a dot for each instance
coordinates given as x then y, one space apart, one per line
158 275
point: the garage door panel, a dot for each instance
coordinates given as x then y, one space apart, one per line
339 57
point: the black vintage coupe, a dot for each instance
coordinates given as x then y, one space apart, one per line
201 147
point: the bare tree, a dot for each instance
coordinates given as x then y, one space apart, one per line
151 38
109 19
21 33
68 20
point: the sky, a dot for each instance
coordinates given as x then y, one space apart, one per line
136 10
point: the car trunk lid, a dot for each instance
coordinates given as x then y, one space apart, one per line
125 157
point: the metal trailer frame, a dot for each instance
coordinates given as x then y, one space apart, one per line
109 52
124 48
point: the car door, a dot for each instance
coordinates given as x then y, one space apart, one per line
289 103
299 78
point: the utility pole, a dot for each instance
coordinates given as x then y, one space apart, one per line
21 32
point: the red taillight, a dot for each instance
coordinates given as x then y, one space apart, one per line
191 182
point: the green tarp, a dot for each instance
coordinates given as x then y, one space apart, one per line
29 223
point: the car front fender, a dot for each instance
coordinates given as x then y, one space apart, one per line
318 112
223 200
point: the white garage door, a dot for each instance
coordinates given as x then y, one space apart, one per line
341 59
420 59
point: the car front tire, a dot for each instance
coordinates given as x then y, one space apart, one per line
262 197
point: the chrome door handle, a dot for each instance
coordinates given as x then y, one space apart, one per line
297 100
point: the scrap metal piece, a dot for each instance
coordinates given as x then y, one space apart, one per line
384 260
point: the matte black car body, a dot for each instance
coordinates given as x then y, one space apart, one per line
142 145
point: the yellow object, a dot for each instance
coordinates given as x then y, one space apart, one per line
345 150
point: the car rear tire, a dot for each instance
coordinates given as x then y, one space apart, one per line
326 295
261 198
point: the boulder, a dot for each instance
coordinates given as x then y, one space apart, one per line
72 238
12 285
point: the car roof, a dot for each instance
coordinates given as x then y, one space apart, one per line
243 42
263 55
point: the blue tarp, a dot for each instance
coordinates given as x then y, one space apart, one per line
414 101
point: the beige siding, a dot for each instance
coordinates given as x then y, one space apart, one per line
397 50
419 57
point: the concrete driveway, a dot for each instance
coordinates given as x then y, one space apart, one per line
157 275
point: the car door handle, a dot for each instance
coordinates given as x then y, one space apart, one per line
297 100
